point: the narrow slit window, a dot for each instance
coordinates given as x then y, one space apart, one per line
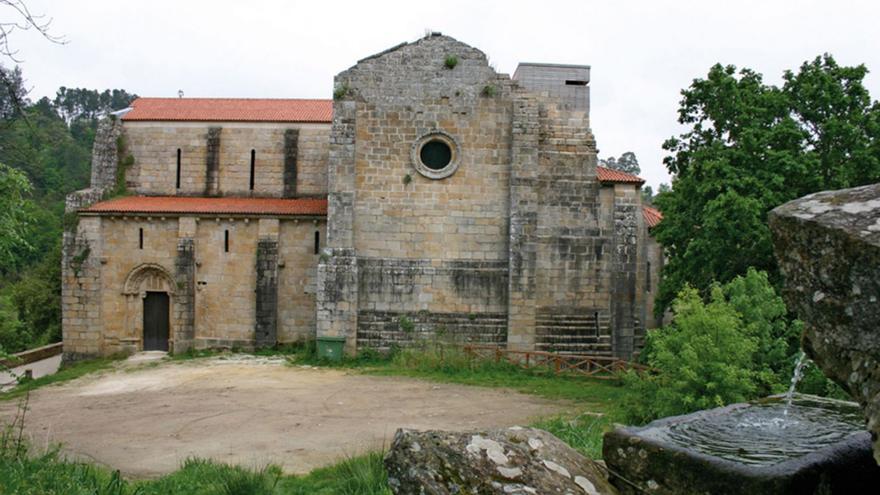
226 241
571 82
178 168
253 167
648 277
317 241
140 238
596 319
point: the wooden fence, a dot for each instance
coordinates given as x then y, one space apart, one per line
602 367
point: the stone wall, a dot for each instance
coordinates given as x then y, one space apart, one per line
216 297
430 250
81 289
297 278
105 153
154 146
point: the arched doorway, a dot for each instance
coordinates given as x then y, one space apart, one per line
149 291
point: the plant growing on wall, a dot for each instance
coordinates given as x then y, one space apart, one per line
340 91
405 324
489 91
451 61
407 179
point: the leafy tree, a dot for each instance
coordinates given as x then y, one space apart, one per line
13 94
14 219
702 360
764 319
81 104
647 194
750 147
627 163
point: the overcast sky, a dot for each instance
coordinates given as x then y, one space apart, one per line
642 53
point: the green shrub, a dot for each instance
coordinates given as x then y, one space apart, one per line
489 91
340 91
451 61
702 360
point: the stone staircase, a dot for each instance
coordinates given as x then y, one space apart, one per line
382 330
568 332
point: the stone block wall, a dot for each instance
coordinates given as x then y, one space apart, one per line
297 279
216 297
81 290
154 146
403 244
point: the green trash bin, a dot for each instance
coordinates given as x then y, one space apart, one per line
330 348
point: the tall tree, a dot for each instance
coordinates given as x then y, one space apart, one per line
14 219
750 147
627 163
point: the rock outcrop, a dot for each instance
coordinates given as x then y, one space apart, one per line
828 246
506 461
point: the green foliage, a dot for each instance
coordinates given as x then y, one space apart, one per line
451 61
750 147
88 105
405 324
627 163
489 91
14 217
740 345
583 433
702 360
407 179
14 335
341 91
764 319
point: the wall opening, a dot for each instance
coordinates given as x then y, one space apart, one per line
596 320
317 241
253 168
178 169
156 318
140 238
570 82
435 155
648 276
225 241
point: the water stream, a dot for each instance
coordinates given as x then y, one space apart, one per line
795 378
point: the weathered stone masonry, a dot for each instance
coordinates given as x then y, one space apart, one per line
558 263
453 203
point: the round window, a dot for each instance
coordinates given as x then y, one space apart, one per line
435 155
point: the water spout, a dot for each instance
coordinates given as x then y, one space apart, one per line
795 378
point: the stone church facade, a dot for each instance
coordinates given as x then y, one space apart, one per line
432 198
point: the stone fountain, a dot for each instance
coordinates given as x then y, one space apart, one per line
828 246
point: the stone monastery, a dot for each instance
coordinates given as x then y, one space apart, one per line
431 198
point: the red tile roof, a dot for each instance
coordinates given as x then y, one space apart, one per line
609 175
652 216
230 110
171 205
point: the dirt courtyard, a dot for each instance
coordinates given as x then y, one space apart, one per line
252 411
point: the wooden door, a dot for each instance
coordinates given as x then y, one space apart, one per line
156 321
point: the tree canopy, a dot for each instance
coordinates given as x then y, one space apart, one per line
45 150
749 147
627 163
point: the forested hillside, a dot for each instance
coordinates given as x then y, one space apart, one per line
45 149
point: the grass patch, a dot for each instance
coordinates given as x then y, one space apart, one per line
66 373
583 433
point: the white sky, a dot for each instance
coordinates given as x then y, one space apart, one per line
642 53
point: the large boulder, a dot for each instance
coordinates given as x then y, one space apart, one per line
506 461
828 246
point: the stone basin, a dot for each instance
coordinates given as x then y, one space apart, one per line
815 446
